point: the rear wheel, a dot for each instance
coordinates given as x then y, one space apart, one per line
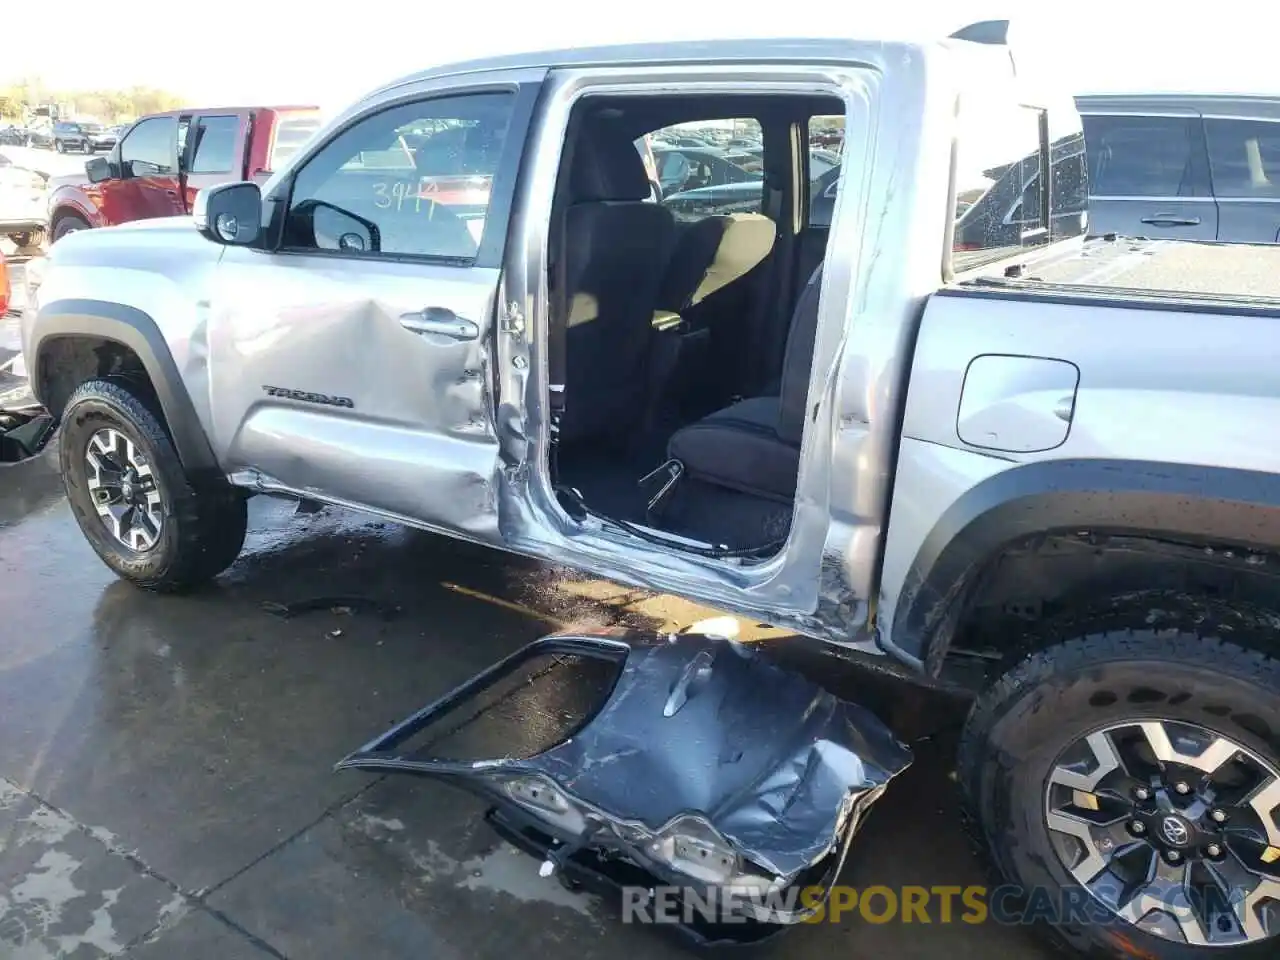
59 146
141 513
1128 781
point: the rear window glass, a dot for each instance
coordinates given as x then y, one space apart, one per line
293 130
999 194
826 145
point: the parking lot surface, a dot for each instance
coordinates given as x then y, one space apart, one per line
165 762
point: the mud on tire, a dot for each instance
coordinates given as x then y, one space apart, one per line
202 526
1100 676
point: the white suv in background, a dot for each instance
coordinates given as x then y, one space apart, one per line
1184 166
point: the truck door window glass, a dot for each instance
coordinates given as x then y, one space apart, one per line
826 147
1145 157
216 146
1244 157
412 180
998 187
701 175
148 150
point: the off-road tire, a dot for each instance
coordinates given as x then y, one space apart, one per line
1108 668
204 524
68 223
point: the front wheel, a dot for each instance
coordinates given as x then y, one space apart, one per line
68 223
59 146
1127 784
135 504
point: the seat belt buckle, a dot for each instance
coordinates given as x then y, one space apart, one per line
669 473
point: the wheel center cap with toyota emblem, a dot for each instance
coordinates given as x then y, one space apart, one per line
1175 831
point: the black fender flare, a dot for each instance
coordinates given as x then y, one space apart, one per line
1182 503
135 330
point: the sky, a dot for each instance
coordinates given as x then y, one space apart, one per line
330 52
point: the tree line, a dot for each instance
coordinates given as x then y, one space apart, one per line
109 106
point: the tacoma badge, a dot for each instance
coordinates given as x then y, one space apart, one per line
306 397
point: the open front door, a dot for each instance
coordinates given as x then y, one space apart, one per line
352 362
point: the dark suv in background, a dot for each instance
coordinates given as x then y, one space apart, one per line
1184 167
82 137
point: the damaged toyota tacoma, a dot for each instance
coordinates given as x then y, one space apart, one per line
915 413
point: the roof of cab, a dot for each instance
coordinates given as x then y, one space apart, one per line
781 50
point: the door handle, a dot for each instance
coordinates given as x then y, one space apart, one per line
440 321
1168 220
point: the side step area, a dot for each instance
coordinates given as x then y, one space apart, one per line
699 765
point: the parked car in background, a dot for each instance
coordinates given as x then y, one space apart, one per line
1187 167
163 160
13 136
745 196
22 203
37 137
81 137
691 167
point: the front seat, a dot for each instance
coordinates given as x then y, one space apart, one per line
616 247
754 446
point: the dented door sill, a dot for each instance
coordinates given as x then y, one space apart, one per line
700 766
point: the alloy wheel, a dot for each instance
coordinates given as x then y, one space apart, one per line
124 490
1173 828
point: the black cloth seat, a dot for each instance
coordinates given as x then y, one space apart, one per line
712 253
754 445
616 249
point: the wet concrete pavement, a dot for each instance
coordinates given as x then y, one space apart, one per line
165 762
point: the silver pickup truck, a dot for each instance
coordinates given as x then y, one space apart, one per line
938 427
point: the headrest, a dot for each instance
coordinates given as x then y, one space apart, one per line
607 166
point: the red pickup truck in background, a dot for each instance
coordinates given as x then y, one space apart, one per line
165 159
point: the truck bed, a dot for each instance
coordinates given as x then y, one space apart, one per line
1164 273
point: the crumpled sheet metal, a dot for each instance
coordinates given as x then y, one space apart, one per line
706 764
706 727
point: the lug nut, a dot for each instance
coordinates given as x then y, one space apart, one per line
1218 816
1181 788
1137 826
1142 793
1213 850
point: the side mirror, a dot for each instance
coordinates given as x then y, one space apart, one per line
98 169
230 213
